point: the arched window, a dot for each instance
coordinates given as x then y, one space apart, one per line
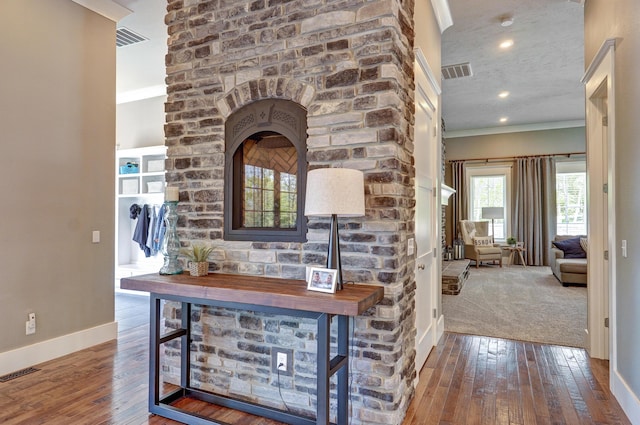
265 172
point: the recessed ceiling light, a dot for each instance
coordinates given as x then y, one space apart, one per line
503 94
506 21
506 44
503 119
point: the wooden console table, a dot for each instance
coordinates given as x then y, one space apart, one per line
254 293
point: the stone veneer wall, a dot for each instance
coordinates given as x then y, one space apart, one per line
350 64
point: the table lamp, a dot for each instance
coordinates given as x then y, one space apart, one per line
332 192
492 213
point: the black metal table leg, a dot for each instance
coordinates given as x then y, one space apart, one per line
185 346
343 372
324 322
154 351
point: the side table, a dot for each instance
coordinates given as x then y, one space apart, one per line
516 250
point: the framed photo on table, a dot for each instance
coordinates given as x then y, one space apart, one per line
322 280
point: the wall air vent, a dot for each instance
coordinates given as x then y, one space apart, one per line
460 70
126 37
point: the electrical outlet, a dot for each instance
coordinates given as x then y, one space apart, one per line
30 327
281 359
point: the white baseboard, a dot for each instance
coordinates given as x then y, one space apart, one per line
626 398
440 328
31 355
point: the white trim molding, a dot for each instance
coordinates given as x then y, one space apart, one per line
601 289
609 44
443 14
421 60
40 352
625 397
440 327
515 128
107 8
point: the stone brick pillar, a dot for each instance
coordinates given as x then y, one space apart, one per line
350 64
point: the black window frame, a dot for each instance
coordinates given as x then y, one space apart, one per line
273 115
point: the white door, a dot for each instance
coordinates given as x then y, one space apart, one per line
426 153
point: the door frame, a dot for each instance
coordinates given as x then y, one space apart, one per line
426 82
599 80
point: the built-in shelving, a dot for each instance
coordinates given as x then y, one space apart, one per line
139 180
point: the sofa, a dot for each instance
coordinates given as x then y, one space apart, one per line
478 246
569 262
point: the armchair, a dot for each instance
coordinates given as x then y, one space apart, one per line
477 245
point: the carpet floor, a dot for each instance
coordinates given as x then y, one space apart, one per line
517 303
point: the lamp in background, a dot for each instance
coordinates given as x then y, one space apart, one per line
493 213
332 192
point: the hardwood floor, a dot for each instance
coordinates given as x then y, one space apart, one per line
466 380
482 380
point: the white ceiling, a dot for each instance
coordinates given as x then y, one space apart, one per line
541 71
140 68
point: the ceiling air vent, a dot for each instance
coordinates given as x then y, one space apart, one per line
460 70
126 37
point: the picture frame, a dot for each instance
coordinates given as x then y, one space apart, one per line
322 280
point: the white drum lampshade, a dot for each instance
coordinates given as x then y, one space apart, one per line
332 192
492 213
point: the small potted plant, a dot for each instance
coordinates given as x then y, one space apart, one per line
198 259
511 241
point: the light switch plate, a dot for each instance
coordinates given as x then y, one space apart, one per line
410 246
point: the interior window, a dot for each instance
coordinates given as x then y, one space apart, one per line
571 198
265 172
269 181
490 187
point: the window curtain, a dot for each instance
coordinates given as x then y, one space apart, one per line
459 203
534 218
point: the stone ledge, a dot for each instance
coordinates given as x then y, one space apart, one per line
454 274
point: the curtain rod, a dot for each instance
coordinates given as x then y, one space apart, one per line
506 158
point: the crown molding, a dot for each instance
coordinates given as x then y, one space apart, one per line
607 46
514 129
443 14
107 8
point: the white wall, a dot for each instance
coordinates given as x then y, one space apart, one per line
529 143
620 20
141 123
56 170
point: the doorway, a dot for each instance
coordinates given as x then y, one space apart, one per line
427 159
600 110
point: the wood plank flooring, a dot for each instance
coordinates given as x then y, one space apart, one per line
466 380
482 380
